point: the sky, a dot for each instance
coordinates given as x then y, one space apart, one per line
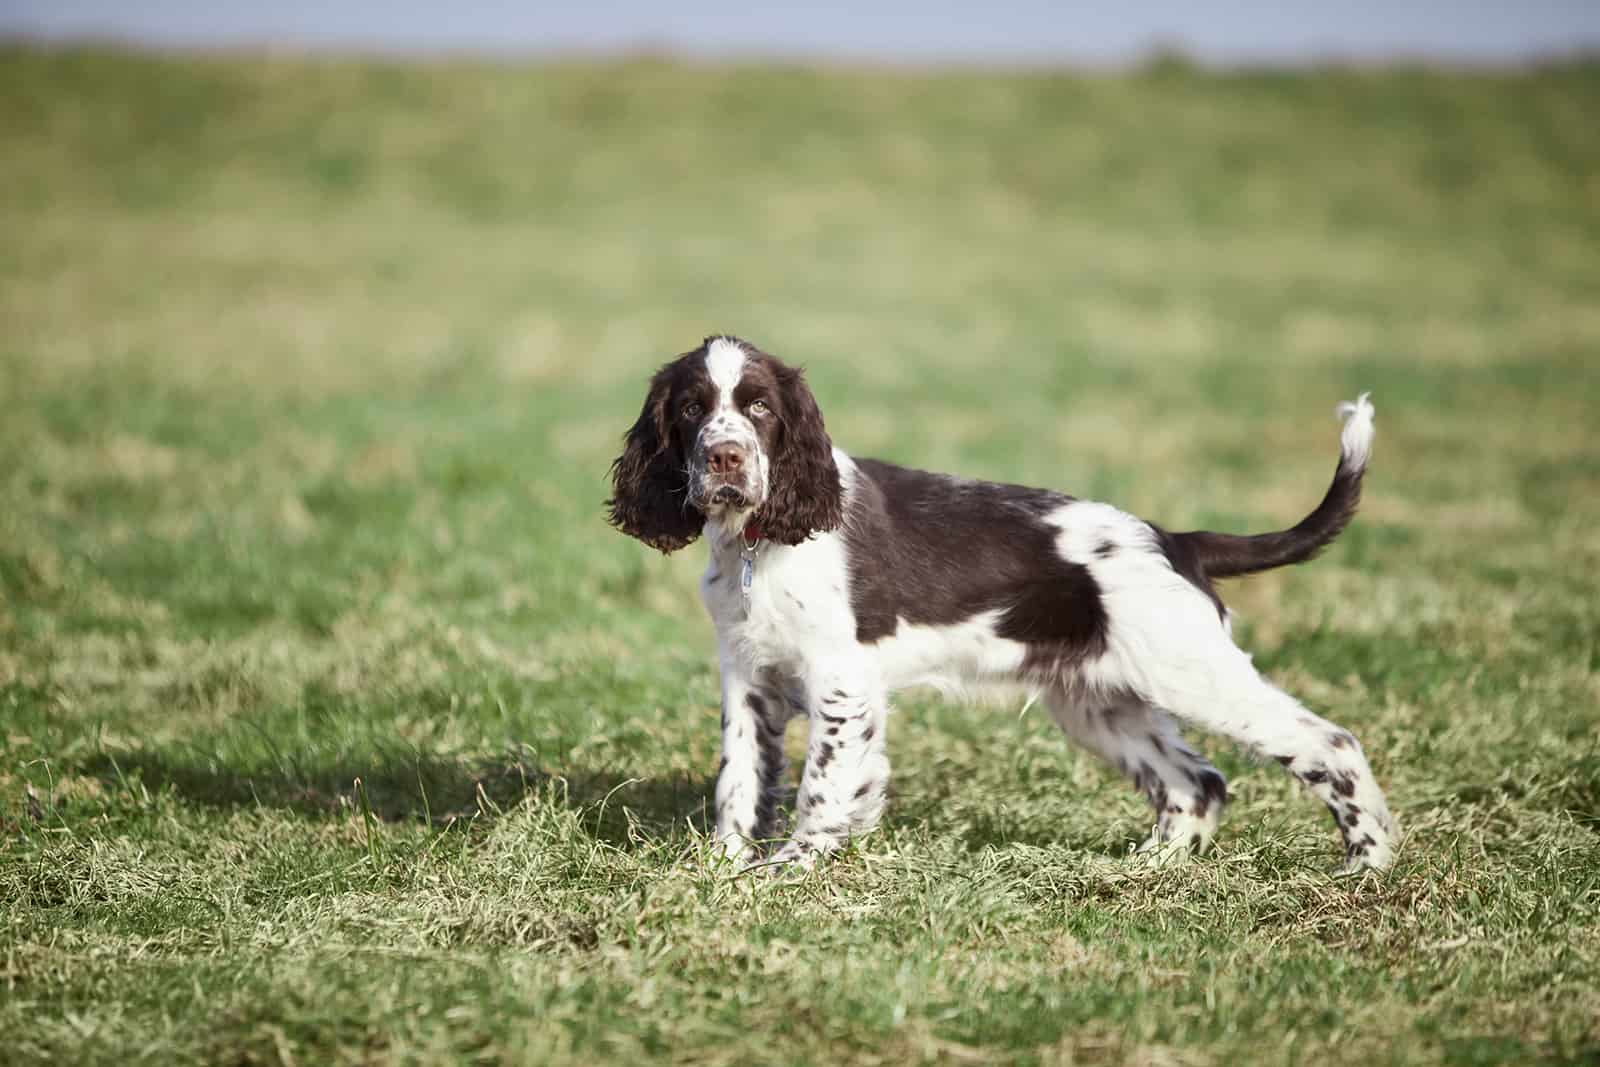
993 32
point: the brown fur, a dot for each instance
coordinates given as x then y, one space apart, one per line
650 493
805 495
650 482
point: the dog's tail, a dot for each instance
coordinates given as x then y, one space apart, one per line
1227 555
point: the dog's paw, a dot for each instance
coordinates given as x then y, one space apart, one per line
797 854
793 859
732 851
1171 844
1158 853
1370 854
780 866
1177 838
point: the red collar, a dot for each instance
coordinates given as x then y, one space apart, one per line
752 533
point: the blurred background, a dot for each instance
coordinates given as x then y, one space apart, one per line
896 31
320 325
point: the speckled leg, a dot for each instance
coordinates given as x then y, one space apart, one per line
1142 742
847 770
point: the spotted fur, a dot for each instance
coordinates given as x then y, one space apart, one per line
866 577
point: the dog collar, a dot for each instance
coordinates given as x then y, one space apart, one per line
749 540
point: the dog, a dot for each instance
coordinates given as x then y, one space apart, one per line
834 581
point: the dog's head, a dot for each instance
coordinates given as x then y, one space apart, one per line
731 436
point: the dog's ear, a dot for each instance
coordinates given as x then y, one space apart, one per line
650 482
804 496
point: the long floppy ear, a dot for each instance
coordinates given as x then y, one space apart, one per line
804 497
650 487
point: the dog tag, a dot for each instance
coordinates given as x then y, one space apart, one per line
747 572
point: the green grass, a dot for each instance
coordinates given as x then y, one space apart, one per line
310 373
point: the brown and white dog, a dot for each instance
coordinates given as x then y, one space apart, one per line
834 581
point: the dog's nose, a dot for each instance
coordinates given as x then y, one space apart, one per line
725 459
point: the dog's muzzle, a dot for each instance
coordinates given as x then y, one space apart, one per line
725 472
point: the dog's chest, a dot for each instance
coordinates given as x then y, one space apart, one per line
780 603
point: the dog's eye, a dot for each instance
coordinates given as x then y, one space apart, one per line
692 411
758 407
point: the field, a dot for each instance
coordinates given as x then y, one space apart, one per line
337 727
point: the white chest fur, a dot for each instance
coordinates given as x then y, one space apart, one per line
797 602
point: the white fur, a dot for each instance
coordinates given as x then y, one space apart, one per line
957 660
1355 440
726 424
1166 645
725 364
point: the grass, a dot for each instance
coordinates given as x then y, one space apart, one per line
335 726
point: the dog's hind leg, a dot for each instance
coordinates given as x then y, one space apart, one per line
1325 757
1165 641
1191 668
1143 742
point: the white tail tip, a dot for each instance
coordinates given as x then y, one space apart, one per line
1355 442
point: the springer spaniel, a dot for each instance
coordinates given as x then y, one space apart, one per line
835 580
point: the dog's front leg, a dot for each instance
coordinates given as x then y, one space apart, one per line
847 768
752 760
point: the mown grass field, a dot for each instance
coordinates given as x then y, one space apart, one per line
310 374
